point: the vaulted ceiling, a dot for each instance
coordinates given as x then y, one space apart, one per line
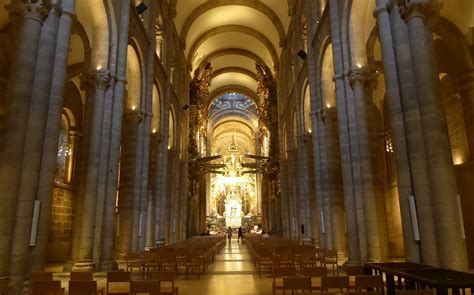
233 35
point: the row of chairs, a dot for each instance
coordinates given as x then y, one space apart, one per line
120 282
267 253
285 278
190 256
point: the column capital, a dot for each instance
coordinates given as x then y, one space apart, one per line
331 113
380 9
428 10
134 116
96 79
362 77
28 9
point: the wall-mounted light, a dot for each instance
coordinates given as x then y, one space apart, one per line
134 108
154 131
99 67
310 131
328 106
359 66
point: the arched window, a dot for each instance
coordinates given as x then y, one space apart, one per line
64 153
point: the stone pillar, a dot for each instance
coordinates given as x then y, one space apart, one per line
404 177
284 197
30 17
303 183
451 246
466 87
414 138
361 82
152 188
355 233
53 124
108 262
336 201
97 83
129 180
103 166
32 153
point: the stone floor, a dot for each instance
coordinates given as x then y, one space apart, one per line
232 273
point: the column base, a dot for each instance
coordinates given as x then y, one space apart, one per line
350 263
83 265
108 265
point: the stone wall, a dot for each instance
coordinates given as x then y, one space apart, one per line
60 231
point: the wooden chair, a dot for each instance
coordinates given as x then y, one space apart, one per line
83 287
118 282
415 292
278 274
315 273
81 276
41 276
150 287
133 262
330 258
5 287
166 279
296 283
264 260
352 272
339 283
374 284
46 288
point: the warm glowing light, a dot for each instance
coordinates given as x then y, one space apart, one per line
134 108
328 106
154 131
310 131
99 67
359 66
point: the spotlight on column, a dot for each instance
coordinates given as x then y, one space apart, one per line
302 54
141 8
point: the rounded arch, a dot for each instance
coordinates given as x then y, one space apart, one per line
171 128
306 107
231 51
232 88
135 82
155 109
232 28
97 29
209 5
234 70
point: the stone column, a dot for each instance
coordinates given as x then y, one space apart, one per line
336 201
108 262
103 166
284 197
30 17
129 180
303 182
414 138
466 87
50 145
354 232
361 83
404 177
33 150
152 188
97 83
451 246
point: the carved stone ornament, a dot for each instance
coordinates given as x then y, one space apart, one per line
29 9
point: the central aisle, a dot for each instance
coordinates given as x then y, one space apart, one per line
232 272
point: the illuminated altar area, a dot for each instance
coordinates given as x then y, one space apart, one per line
233 193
